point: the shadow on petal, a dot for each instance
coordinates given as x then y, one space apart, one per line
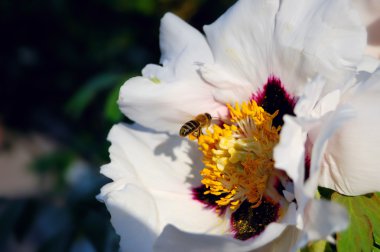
194 156
194 178
167 147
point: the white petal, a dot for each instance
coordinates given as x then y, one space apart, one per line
323 218
229 88
330 124
178 240
188 214
134 217
319 117
116 169
182 46
289 153
286 242
369 10
164 169
351 164
291 215
173 239
154 160
111 187
368 64
293 40
166 107
374 51
288 195
311 104
174 93
318 36
241 40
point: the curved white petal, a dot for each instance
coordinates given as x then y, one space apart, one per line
228 88
368 64
134 217
312 105
318 118
174 92
330 124
369 10
322 218
272 237
241 41
286 242
312 38
351 163
166 106
160 171
373 51
176 240
291 39
289 153
136 152
182 46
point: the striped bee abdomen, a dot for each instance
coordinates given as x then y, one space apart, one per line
189 127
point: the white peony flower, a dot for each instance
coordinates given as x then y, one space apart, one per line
255 187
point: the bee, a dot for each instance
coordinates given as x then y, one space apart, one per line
194 127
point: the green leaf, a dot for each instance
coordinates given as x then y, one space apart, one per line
111 111
56 164
373 211
83 98
318 246
376 249
147 7
56 161
364 229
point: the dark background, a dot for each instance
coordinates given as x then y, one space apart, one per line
62 63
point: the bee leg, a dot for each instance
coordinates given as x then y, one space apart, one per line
197 133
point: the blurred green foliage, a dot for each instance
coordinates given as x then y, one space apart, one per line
62 64
363 233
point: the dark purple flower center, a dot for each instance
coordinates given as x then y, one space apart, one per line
273 97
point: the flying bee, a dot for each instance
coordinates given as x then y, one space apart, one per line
194 127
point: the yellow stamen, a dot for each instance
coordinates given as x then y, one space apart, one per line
238 156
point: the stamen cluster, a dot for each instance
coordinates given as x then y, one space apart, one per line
238 155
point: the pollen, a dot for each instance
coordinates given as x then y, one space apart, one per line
238 156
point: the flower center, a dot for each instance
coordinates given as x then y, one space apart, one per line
238 156
239 178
